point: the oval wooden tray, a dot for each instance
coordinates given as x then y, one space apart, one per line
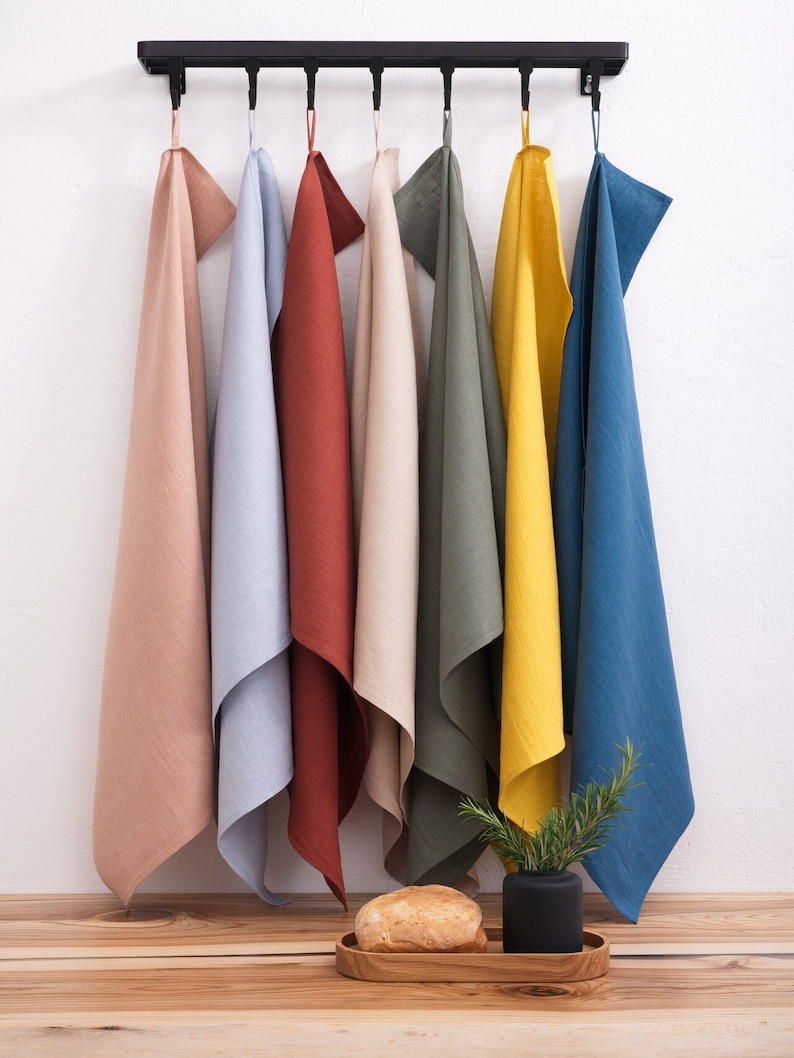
493 965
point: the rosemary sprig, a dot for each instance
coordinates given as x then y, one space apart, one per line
566 833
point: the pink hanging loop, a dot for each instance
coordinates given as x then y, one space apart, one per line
176 124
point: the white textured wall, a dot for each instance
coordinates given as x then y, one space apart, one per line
702 111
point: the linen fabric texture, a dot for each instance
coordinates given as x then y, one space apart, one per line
329 721
387 378
530 313
155 774
618 676
250 589
462 486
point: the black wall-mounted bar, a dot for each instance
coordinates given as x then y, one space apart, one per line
592 59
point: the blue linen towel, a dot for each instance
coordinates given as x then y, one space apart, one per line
250 592
618 677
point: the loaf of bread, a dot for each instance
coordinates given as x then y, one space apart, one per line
421 918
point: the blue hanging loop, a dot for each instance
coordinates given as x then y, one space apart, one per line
447 70
591 86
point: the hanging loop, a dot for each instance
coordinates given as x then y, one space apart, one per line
176 75
311 125
591 82
525 68
525 127
447 70
310 66
252 69
376 68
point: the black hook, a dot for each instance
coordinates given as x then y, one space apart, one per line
525 68
252 68
176 75
376 69
447 70
311 66
591 81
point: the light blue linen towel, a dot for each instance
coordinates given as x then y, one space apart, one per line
250 594
618 677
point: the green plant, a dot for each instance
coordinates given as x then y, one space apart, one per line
566 833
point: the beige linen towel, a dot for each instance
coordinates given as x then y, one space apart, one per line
154 786
385 463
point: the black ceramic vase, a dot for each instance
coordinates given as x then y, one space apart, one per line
542 911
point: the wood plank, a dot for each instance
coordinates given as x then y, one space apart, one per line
685 1008
763 983
625 1035
186 924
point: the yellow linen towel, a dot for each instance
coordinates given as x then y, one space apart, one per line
531 309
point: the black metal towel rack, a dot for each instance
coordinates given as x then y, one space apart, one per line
593 60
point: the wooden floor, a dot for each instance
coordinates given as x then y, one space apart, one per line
227 977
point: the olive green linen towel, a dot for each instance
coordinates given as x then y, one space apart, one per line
461 534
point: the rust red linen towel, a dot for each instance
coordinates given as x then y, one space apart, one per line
310 375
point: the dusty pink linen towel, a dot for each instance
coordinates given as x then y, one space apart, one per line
154 785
